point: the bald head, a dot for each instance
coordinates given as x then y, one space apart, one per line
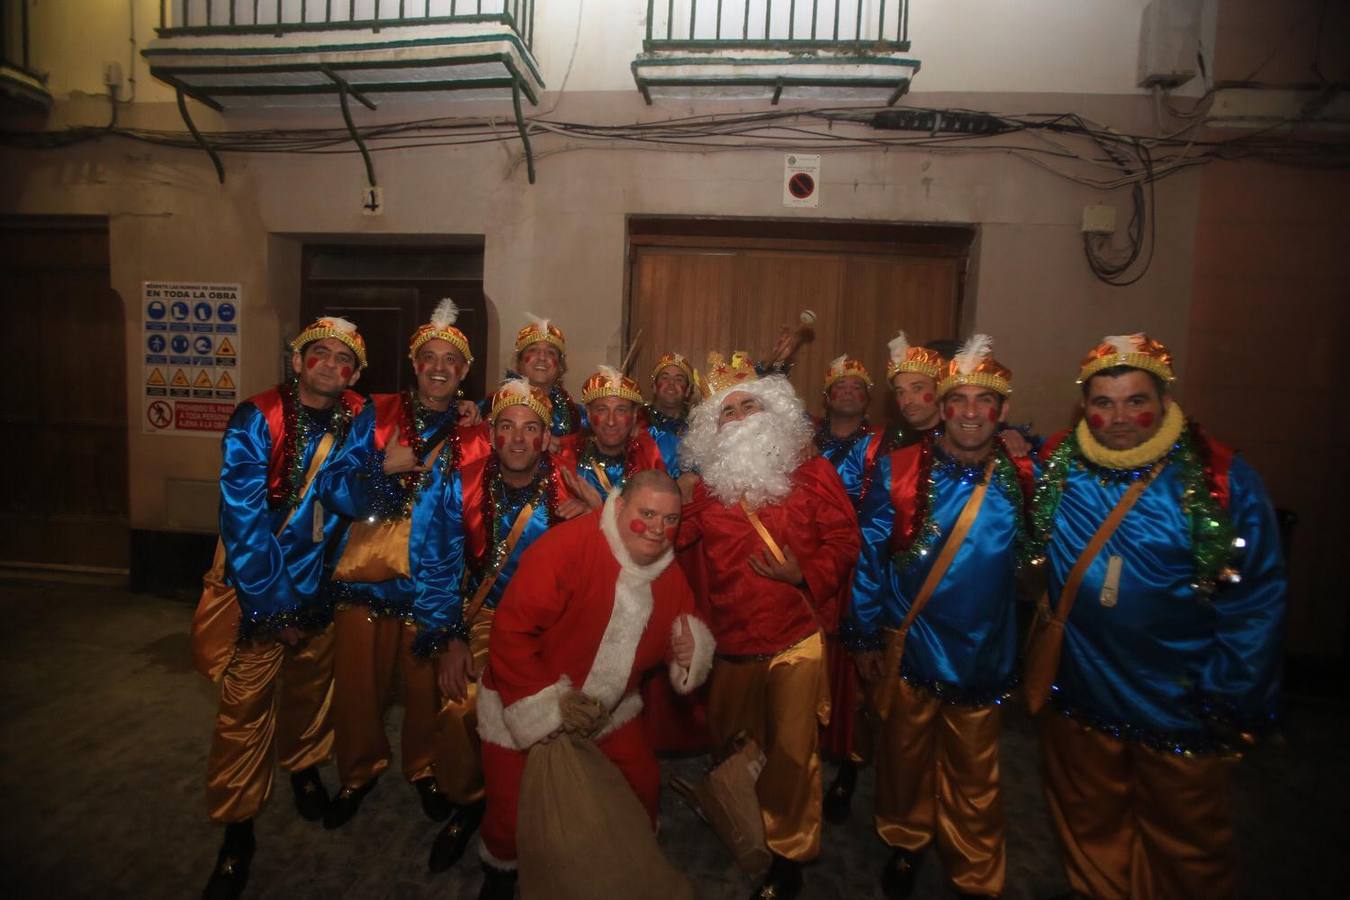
651 480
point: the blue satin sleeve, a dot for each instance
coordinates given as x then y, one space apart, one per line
344 484
256 563
437 549
873 578
1241 679
853 464
668 442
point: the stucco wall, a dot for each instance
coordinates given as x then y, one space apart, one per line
558 247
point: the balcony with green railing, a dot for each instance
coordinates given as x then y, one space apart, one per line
776 49
243 53
21 86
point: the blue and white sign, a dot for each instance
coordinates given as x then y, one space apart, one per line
192 359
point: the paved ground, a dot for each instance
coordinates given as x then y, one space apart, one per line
105 731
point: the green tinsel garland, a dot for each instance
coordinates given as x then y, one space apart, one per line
1213 537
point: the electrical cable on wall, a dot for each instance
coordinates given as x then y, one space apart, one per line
1063 144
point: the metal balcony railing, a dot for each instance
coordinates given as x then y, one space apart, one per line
279 17
858 25
14 51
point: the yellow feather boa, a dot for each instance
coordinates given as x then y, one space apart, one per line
1150 451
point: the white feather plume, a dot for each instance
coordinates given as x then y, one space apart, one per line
539 322
899 346
337 323
518 386
446 314
1124 343
973 352
611 374
838 362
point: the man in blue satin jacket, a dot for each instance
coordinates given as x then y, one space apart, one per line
1170 659
938 756
278 541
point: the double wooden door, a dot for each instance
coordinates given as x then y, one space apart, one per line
695 294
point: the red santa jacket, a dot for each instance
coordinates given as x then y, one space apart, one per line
580 614
752 614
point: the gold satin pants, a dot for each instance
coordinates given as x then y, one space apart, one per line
459 765
938 782
275 708
368 653
781 702
1136 822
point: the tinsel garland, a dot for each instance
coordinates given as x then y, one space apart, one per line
826 442
414 420
295 427
889 441
591 454
1217 732
1213 538
496 509
311 618
969 697
663 422
345 594
564 411
913 539
922 532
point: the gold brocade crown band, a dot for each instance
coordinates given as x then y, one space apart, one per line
609 382
903 357
974 364
336 328
519 392
920 361
448 333
1138 351
676 360
978 379
540 329
846 367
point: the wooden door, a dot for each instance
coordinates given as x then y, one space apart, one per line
699 293
63 419
389 292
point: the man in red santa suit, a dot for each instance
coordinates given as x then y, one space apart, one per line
594 604
780 539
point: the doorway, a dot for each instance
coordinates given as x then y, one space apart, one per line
388 292
63 421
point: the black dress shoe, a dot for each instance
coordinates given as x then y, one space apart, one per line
784 881
435 804
452 840
897 879
230 875
345 803
498 884
839 797
311 799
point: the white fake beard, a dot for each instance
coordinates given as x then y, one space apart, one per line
753 460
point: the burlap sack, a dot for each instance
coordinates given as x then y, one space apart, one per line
582 834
